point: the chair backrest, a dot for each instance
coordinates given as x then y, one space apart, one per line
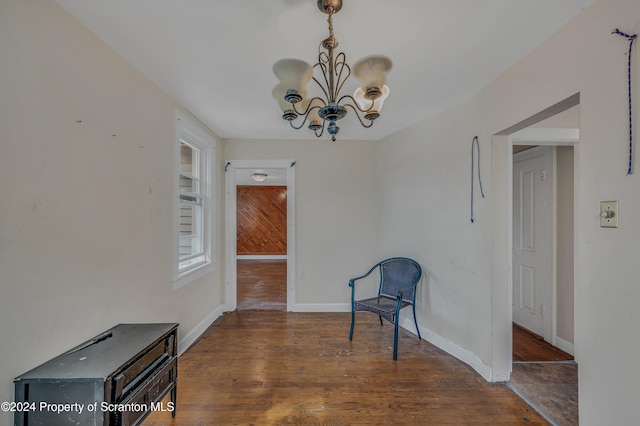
399 273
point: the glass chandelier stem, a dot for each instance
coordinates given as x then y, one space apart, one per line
329 45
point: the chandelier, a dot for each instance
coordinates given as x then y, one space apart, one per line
320 112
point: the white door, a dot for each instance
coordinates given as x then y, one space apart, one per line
533 210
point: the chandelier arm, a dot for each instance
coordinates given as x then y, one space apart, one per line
341 60
309 107
301 124
323 89
293 107
318 135
355 104
306 117
357 112
323 69
306 112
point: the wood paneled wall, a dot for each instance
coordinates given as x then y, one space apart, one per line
261 220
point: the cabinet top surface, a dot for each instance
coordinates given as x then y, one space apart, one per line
102 355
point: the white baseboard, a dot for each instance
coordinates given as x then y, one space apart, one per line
451 348
193 335
261 257
566 346
321 307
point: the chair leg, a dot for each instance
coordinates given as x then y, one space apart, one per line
353 319
395 338
416 321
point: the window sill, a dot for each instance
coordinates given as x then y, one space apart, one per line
191 275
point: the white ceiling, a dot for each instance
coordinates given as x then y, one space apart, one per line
215 57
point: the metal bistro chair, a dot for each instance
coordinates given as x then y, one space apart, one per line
399 277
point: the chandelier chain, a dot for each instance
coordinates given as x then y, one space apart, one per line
330 24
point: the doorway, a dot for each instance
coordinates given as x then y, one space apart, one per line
263 264
261 244
544 165
543 220
502 144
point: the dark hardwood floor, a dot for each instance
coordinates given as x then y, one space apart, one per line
283 368
530 347
263 366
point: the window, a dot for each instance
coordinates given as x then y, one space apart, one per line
194 160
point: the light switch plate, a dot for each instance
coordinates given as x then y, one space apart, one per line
609 214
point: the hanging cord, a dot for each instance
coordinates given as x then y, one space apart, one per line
475 143
631 39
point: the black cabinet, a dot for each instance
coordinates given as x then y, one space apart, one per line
116 378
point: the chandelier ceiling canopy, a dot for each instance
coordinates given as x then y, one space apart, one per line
330 72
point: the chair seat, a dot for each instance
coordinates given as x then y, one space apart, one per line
382 305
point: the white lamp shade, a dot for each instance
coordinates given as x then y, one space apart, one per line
371 71
365 103
293 73
278 93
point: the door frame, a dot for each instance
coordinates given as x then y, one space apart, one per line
502 223
231 270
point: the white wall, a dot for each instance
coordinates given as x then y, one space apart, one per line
85 208
425 171
564 245
568 119
425 183
336 211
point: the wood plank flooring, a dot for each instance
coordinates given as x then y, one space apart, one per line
545 377
283 368
530 347
262 284
550 387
